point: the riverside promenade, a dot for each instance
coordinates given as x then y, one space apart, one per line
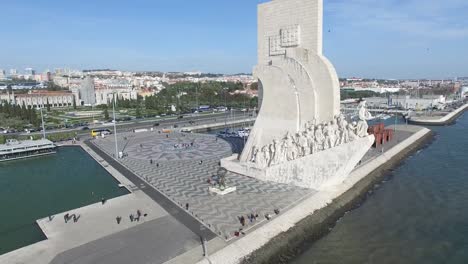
438 120
96 237
162 179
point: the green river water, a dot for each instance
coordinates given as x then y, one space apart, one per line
35 188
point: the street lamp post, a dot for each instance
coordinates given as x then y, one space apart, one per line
115 128
43 127
225 108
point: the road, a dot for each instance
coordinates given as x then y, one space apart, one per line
167 122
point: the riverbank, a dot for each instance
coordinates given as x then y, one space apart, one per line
437 120
280 239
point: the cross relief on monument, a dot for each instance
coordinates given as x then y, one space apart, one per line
290 36
287 37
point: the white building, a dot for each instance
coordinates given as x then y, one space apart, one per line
40 98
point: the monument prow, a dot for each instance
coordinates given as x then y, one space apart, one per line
299 136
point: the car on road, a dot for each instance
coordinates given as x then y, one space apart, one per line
85 128
156 124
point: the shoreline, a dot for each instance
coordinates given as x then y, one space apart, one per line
448 119
280 240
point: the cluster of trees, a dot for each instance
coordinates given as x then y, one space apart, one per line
51 86
348 94
27 115
186 96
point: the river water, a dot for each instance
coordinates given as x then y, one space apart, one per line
35 188
420 215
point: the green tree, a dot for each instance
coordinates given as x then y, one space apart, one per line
138 112
106 114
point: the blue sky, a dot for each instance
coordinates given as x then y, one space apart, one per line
368 38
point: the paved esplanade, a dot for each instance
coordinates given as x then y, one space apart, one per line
181 167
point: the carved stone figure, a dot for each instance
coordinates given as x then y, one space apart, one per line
330 135
290 148
352 131
283 156
253 158
264 157
311 142
364 115
343 128
274 153
303 144
319 138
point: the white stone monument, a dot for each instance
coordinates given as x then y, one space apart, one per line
299 136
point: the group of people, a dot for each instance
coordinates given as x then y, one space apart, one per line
133 217
184 145
68 216
314 138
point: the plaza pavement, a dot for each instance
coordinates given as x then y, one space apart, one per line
181 175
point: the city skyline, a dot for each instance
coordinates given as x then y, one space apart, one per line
388 39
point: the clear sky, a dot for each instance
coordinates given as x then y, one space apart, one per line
365 38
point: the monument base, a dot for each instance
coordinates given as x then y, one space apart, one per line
222 192
318 171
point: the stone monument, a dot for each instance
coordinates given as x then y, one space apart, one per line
299 136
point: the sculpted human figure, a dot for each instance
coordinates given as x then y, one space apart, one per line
343 128
330 135
336 130
303 144
311 142
253 158
290 148
352 131
364 115
264 157
319 138
283 156
274 153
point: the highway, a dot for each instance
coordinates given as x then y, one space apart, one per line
164 123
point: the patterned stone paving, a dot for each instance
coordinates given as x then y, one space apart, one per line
179 174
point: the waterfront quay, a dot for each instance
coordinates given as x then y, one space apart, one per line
167 177
181 176
439 118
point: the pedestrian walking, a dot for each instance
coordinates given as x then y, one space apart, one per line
186 206
151 161
138 212
242 220
66 217
131 218
103 201
118 219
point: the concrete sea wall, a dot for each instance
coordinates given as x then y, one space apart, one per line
443 121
